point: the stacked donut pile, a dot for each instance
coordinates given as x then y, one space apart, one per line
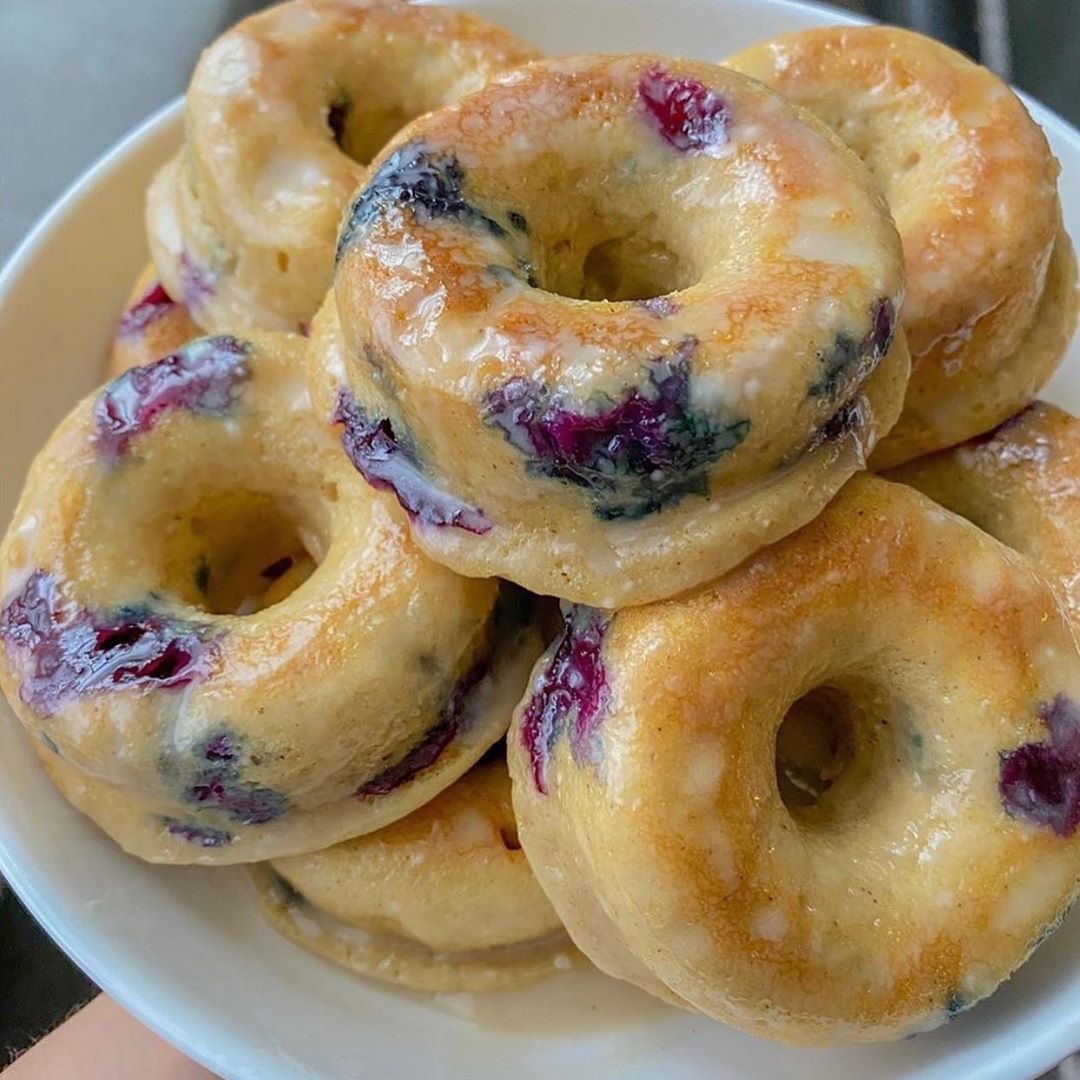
436 331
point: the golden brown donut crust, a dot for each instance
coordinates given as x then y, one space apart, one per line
972 185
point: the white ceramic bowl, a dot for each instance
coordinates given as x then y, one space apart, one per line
184 949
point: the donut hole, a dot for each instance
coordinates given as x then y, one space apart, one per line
632 268
361 125
603 257
815 745
234 553
831 749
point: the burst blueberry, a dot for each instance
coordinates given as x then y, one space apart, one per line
69 650
1039 782
644 452
430 748
570 695
214 771
849 360
202 377
200 835
154 304
389 465
428 183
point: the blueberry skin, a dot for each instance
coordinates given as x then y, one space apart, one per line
426 182
1039 782
390 464
73 651
636 455
571 695
203 377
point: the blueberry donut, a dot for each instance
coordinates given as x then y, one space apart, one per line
225 643
1021 484
632 315
153 325
687 852
972 184
441 900
282 112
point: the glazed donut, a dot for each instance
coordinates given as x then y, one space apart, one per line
226 644
1021 484
282 112
153 325
972 184
627 314
441 900
918 871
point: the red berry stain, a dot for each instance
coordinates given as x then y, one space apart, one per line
155 304
685 112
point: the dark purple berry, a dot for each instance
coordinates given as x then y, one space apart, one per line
850 360
1040 782
660 306
203 376
428 750
213 780
149 308
71 650
571 694
635 456
685 112
221 747
427 183
245 803
849 418
388 465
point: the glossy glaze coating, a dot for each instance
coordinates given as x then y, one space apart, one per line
441 900
972 184
283 111
151 326
226 644
630 311
1021 484
933 860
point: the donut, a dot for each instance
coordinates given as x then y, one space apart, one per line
441 900
282 112
631 315
153 325
685 853
972 184
225 643
1021 484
